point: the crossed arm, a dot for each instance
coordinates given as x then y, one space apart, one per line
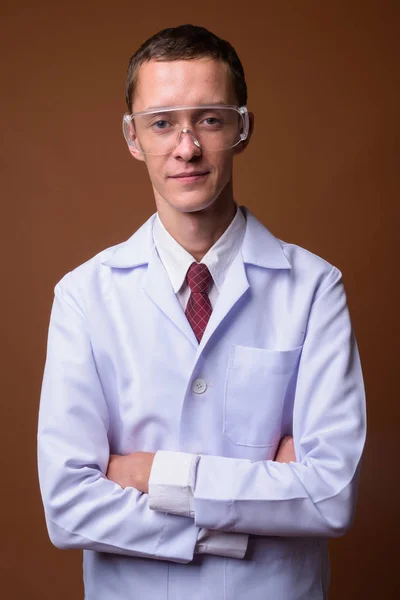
133 470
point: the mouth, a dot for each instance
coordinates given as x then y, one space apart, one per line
190 177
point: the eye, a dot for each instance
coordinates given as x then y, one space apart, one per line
160 125
212 121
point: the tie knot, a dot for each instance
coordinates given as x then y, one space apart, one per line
199 278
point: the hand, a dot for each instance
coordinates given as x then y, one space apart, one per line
286 452
131 470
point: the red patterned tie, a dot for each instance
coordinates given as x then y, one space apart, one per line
198 309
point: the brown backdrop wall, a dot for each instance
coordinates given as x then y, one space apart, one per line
321 171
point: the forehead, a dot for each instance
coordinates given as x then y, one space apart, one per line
183 82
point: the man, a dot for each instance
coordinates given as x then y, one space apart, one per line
179 359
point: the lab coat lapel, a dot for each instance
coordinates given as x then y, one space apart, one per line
159 289
140 250
259 248
235 286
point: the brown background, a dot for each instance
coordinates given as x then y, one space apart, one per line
321 171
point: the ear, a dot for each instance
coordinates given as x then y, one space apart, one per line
240 147
135 153
131 139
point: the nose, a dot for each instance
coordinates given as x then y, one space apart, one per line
187 146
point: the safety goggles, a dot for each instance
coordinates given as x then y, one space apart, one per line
211 127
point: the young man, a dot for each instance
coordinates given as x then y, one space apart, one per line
179 359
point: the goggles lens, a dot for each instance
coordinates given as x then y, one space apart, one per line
211 128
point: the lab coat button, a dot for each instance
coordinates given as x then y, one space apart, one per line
199 386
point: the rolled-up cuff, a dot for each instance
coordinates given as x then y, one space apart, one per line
222 543
171 483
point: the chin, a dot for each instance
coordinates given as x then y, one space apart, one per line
189 203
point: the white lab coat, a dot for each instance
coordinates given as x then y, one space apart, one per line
278 357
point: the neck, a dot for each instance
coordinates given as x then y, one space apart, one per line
198 231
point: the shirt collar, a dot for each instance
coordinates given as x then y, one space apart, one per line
260 247
218 259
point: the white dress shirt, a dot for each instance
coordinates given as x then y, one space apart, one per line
218 259
177 261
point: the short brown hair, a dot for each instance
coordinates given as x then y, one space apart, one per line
186 42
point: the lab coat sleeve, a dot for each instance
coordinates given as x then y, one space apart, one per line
316 495
171 486
84 509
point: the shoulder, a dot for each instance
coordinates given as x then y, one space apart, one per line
263 248
302 258
78 286
309 270
86 270
129 253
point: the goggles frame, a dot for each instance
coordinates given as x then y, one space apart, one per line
127 119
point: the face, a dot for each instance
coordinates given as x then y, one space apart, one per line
191 83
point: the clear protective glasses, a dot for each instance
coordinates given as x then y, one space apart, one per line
212 127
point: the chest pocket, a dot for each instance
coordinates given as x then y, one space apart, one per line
257 384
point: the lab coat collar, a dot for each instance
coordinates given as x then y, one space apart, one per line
259 247
135 251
